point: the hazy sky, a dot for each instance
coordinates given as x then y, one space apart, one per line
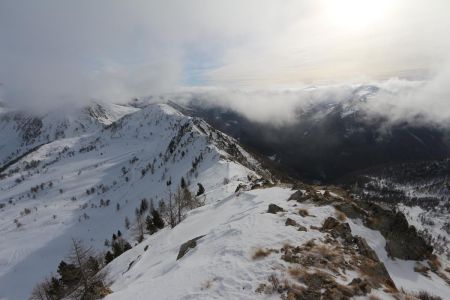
56 50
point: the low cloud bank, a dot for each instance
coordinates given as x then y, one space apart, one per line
416 102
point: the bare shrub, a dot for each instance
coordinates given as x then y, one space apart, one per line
303 212
424 295
341 216
261 253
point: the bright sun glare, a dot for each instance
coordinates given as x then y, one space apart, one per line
355 15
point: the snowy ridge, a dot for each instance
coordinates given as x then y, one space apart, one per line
21 131
256 240
225 262
71 187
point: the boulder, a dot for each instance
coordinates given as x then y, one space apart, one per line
184 248
302 228
298 196
290 222
273 209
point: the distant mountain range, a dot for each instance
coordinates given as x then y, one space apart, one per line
329 139
235 225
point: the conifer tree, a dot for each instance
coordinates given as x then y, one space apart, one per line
150 226
108 257
157 220
201 189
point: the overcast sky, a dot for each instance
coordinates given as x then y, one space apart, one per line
56 50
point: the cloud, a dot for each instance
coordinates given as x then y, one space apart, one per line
54 51
396 101
278 106
336 45
414 102
70 51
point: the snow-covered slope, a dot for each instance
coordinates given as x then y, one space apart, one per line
247 253
21 131
83 186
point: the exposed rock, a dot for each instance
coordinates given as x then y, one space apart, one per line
364 249
375 271
260 183
329 223
273 209
321 200
298 196
321 285
336 293
361 287
184 248
240 187
290 222
309 295
402 240
337 229
317 280
343 231
351 210
302 228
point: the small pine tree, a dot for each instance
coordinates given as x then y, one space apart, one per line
82 258
139 226
56 289
108 257
69 273
157 220
144 206
117 248
150 226
126 247
41 291
183 183
201 189
127 223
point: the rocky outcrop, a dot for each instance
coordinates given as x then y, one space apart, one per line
402 240
360 286
364 249
330 223
351 210
338 229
